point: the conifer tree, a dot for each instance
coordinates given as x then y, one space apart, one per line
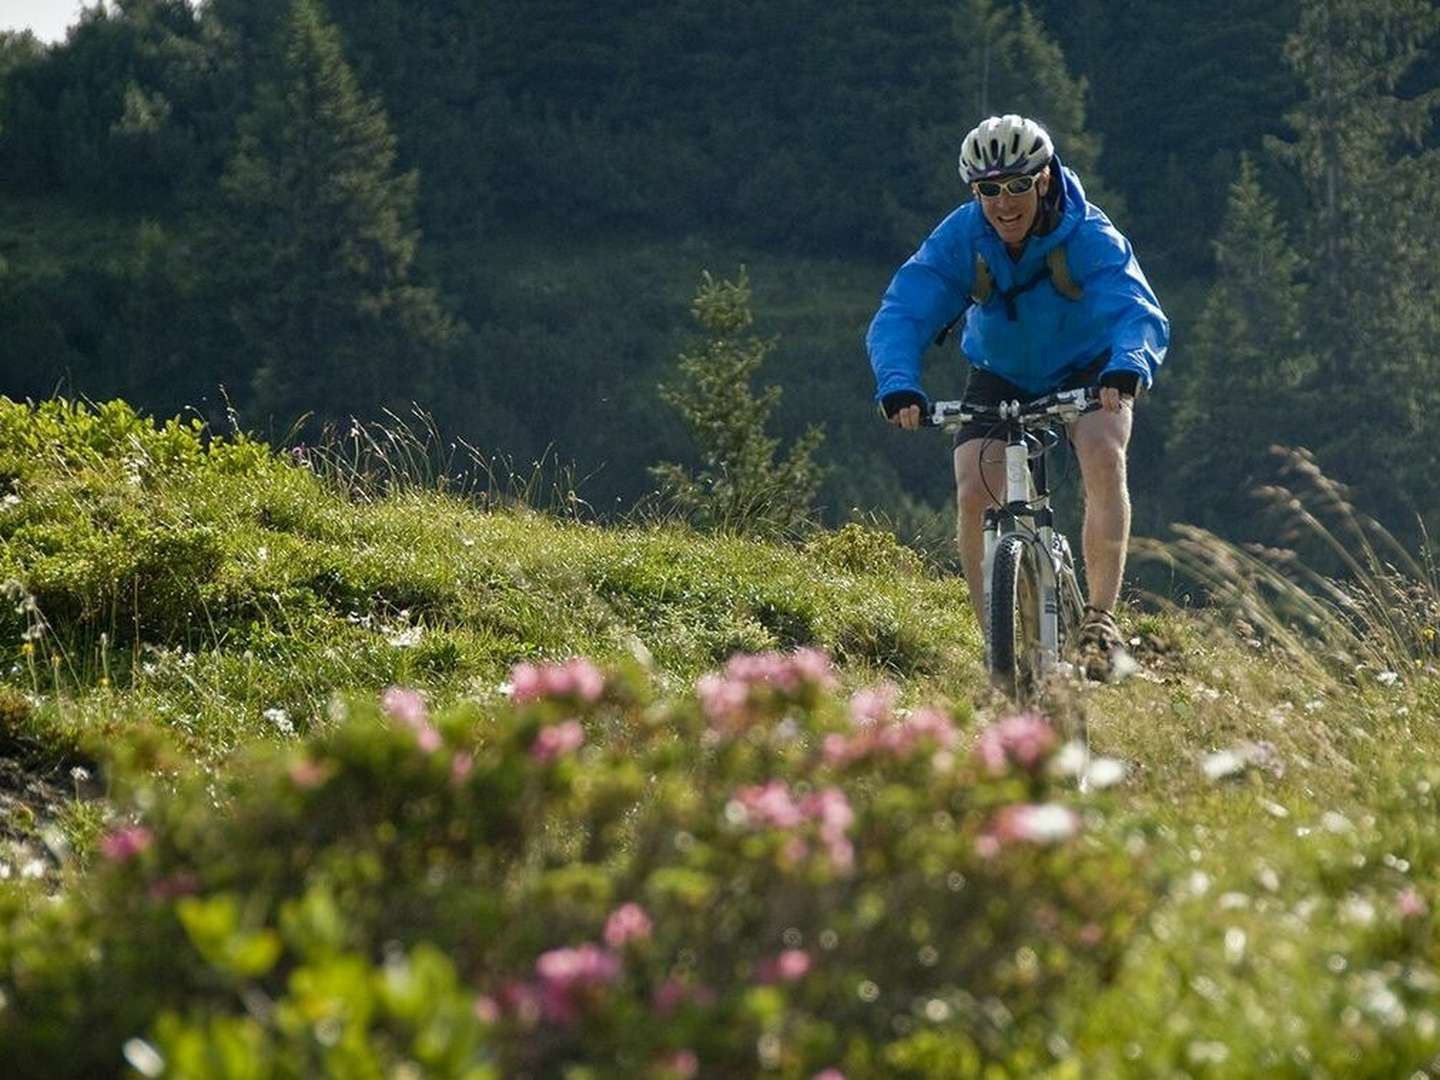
1245 360
1005 61
1373 402
330 310
740 485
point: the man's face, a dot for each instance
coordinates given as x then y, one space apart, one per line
1013 215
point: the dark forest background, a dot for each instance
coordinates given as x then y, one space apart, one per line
501 210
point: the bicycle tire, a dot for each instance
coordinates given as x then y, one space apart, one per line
1014 653
1072 600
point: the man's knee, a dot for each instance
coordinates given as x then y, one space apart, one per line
1101 453
973 493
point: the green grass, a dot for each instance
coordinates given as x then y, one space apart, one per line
177 603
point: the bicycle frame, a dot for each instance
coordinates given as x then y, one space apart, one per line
1029 433
1027 511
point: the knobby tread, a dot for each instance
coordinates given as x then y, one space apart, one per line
1005 581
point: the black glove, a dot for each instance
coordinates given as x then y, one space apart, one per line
1127 382
896 400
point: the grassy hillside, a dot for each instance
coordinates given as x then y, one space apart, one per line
301 775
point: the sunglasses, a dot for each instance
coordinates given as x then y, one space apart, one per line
993 189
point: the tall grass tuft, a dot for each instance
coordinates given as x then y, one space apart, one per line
1374 605
369 460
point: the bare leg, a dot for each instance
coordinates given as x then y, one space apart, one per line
975 480
1100 440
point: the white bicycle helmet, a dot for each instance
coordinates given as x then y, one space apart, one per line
1003 145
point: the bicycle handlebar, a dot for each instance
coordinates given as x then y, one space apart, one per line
1063 405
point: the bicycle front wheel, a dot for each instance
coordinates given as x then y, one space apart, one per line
1014 654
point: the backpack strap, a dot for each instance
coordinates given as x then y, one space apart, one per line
1060 276
984 281
1056 270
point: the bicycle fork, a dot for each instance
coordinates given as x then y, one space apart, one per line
1029 514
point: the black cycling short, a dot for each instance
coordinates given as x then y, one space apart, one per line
986 390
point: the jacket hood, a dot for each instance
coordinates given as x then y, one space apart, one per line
1067 201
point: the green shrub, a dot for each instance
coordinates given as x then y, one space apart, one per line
758 876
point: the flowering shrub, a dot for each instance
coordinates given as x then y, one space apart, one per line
763 876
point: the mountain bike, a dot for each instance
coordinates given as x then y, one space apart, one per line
1033 604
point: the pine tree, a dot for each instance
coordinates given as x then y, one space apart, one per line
740 485
1242 366
1003 60
330 309
1373 402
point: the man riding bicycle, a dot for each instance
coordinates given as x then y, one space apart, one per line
1052 298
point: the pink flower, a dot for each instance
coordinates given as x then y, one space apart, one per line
831 808
673 993
586 681
524 683
669 995
1047 823
125 843
309 774
812 665
770 804
584 965
627 923
407 708
556 740
932 724
575 678
725 697
790 966
487 1009
570 977
841 852
829 1074
874 705
683 1064
1024 739
180 883
721 699
793 851
461 766
520 1000
1410 904
838 750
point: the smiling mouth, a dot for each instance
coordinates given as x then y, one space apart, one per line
1009 221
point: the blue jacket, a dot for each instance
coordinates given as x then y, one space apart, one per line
1051 337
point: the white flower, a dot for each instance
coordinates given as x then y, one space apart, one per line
1387 678
79 774
1234 945
143 1057
1105 772
1358 911
1223 763
1274 809
1335 822
1046 824
281 719
1122 665
1069 760
407 638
